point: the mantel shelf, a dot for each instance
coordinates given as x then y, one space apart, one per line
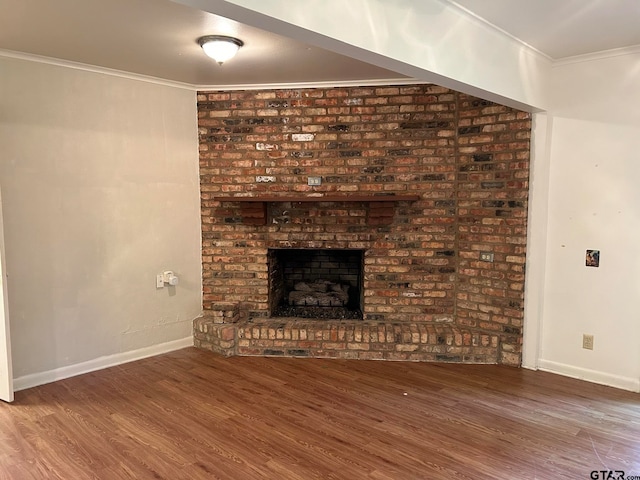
254 209
323 198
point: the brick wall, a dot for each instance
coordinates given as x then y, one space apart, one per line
467 159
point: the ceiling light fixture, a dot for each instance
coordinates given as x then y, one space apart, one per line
219 47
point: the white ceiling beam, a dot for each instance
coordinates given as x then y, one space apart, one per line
431 40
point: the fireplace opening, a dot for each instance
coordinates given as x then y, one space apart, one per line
316 283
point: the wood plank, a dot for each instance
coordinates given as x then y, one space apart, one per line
316 199
192 414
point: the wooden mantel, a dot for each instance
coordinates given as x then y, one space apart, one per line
254 209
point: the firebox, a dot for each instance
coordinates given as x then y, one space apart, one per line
316 283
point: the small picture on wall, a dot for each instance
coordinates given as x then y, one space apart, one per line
593 258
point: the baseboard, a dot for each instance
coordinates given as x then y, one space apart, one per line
35 379
593 376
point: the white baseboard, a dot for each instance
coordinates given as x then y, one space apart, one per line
35 379
593 376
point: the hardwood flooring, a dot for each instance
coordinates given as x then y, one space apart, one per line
193 415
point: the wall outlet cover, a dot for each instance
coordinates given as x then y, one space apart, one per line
486 256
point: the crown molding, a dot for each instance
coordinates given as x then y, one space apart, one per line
187 86
529 48
94 69
298 85
589 57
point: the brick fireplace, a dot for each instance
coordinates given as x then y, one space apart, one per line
416 182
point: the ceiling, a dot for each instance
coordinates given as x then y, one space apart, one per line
158 38
564 28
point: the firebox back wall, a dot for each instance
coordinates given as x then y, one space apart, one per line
466 158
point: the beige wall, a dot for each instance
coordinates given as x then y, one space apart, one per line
594 203
100 189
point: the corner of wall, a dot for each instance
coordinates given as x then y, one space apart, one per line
536 239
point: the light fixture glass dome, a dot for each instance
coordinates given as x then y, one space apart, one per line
219 47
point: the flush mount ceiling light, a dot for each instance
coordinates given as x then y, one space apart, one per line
219 47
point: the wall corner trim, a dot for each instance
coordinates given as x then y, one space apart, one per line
41 378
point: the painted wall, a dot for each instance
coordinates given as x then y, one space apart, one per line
431 40
99 177
594 203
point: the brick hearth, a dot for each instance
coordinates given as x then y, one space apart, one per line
347 339
461 165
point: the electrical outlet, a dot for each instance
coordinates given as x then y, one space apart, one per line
587 341
486 256
314 181
160 281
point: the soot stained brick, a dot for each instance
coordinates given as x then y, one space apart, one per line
277 104
299 154
399 151
469 130
273 352
492 185
384 178
433 177
482 157
493 203
425 125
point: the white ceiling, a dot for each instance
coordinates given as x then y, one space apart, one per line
158 37
564 28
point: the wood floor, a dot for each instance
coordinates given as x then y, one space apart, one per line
194 415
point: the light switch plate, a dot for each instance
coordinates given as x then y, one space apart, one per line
159 281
